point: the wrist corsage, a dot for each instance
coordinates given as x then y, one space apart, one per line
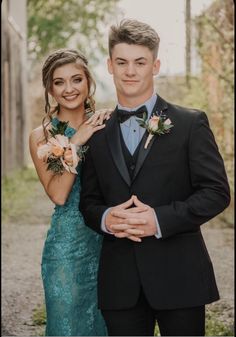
156 125
59 153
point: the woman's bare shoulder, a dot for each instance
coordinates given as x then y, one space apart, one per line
37 134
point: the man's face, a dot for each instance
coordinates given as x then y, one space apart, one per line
133 68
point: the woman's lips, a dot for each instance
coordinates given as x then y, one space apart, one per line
70 97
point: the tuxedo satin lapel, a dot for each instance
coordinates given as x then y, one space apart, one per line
159 108
161 104
142 153
114 142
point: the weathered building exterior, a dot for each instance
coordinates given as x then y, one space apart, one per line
14 118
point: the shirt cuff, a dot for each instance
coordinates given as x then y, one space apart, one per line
103 226
158 235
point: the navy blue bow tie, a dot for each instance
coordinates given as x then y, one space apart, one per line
123 115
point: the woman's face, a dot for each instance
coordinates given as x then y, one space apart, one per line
69 87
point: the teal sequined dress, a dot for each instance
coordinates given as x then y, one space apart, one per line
69 270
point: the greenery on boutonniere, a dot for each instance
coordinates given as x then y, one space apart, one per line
156 125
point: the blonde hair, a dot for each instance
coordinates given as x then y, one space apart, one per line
55 60
133 32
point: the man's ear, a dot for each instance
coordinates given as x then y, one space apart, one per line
156 67
109 66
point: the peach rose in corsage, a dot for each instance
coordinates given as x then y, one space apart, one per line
59 154
68 158
57 151
156 125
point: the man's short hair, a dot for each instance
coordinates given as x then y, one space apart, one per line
133 32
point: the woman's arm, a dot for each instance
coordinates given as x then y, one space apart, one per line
58 186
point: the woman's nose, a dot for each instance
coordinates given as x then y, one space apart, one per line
68 87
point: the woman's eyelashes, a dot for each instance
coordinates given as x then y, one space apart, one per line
74 80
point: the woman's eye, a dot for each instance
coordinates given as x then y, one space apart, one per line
58 82
78 80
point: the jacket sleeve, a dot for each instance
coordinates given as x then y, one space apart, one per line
92 204
209 181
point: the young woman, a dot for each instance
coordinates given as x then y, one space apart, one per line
71 251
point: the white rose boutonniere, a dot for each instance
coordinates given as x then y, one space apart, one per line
156 125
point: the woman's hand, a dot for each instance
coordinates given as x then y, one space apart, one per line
99 117
84 132
93 124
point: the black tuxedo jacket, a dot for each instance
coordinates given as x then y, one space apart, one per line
182 176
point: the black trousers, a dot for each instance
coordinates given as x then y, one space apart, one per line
141 319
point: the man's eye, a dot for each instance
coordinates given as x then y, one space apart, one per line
120 63
140 63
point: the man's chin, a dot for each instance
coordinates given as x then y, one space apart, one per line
131 92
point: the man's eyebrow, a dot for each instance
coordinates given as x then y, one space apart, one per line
120 59
142 58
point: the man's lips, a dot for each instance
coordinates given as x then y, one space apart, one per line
130 81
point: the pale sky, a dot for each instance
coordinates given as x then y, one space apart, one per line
167 18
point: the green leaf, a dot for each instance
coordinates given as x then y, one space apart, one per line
55 165
52 25
60 128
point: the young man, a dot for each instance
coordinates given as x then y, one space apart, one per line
149 200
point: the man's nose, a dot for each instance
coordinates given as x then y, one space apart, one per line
130 70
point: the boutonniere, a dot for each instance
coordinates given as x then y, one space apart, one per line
59 153
156 125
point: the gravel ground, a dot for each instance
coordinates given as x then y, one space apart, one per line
22 290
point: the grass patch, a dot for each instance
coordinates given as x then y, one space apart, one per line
18 189
39 316
214 327
39 319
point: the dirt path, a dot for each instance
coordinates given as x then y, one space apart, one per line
22 290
